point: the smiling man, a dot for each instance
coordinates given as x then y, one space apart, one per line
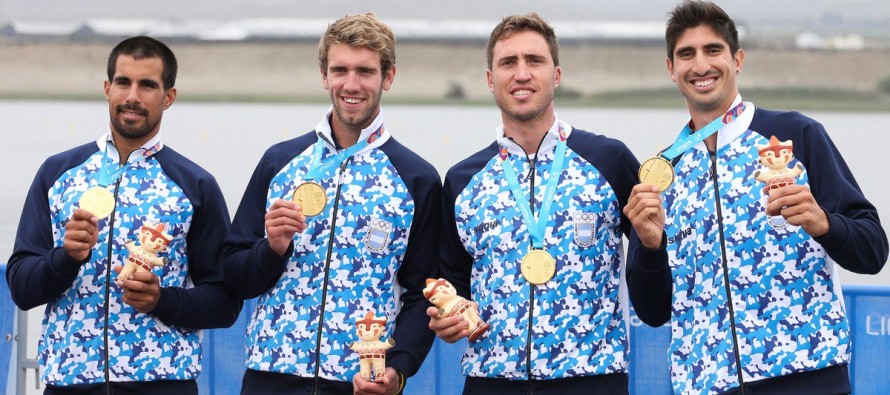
86 209
532 233
739 254
334 224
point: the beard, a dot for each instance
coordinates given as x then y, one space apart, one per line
132 130
364 118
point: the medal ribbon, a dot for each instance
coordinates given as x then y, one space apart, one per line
320 168
687 139
106 174
536 228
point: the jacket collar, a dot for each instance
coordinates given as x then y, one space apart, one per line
547 145
325 133
150 147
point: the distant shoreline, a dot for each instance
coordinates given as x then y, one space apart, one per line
596 75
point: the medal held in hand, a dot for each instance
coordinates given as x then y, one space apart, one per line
98 201
538 267
311 197
657 171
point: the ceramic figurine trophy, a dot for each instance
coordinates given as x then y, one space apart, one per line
152 241
775 157
444 296
371 351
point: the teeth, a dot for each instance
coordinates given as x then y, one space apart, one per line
522 92
704 83
351 100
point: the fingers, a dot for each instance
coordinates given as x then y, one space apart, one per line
450 329
81 234
285 216
141 290
642 196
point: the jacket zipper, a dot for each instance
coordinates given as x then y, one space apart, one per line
735 338
108 271
327 266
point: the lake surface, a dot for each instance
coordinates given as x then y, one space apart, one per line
229 139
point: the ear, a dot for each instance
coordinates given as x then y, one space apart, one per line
557 77
739 60
107 89
670 68
169 97
388 77
324 78
488 76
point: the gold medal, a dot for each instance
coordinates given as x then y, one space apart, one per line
311 197
98 201
538 267
657 171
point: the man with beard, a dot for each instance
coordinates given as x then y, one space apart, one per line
743 265
136 334
532 233
336 223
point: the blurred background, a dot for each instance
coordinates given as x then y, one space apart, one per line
248 78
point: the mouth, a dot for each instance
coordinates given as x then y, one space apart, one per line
132 113
351 100
521 92
704 83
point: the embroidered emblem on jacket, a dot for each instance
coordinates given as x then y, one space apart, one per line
583 224
378 235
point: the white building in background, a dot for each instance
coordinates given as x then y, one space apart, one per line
841 42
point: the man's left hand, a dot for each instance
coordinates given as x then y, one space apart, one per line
797 204
387 385
142 290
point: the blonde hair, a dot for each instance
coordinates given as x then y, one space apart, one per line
359 31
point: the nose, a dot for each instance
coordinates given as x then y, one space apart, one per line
700 65
133 95
351 84
523 72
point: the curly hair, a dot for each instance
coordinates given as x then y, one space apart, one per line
359 31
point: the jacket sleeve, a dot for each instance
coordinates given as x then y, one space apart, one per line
855 239
455 264
649 280
207 304
412 334
38 272
251 266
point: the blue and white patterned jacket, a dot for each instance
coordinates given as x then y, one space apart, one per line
371 249
575 324
739 291
90 335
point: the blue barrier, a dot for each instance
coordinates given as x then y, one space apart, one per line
868 308
7 328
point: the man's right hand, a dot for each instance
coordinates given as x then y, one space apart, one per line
81 234
284 219
450 329
645 211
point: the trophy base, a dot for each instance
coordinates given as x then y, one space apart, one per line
480 330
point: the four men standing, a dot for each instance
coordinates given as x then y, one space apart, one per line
344 222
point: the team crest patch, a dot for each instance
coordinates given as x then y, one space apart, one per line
584 225
378 235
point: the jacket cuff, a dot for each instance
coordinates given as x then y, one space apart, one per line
268 260
64 265
403 363
169 305
836 238
653 259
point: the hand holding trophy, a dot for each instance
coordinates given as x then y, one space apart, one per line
444 296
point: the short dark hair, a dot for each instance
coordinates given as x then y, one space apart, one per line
693 13
143 47
519 23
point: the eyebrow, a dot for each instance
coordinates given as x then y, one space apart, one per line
713 45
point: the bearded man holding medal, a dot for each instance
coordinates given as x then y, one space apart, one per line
746 274
135 334
335 223
533 234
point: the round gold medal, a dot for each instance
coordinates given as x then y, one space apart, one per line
657 171
311 197
98 201
538 267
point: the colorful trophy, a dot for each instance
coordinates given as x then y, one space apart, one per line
444 296
775 157
371 351
142 257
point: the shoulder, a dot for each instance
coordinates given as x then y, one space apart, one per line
407 162
463 171
601 151
790 123
61 162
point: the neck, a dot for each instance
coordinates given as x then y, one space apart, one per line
529 134
345 137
